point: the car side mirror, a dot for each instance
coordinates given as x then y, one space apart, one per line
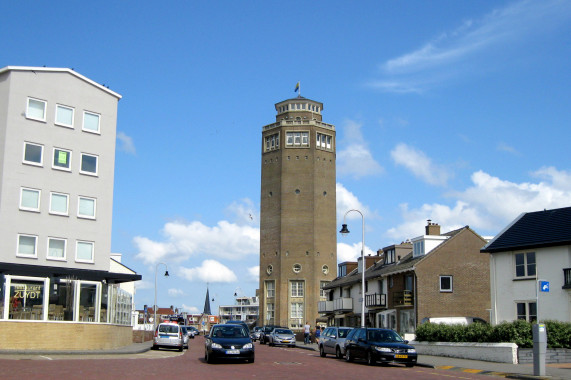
406 342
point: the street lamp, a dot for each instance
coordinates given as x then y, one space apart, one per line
345 231
166 275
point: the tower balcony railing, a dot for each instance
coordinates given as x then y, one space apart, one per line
292 122
325 306
376 300
343 304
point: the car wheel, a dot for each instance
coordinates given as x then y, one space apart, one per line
348 355
180 349
370 358
338 353
270 344
251 360
209 359
321 351
409 365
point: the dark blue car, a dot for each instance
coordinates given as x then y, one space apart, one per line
228 341
379 345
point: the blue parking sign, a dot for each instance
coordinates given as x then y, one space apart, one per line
544 286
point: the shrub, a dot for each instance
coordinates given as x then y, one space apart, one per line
518 332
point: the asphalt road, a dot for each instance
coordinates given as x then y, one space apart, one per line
271 363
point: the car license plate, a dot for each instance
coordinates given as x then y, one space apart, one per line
285 341
164 336
401 356
232 352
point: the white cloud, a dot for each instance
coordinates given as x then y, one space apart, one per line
210 271
355 159
346 201
346 252
490 204
191 309
182 241
254 273
126 143
419 164
142 284
244 212
175 292
452 54
503 147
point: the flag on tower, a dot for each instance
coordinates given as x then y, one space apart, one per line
296 87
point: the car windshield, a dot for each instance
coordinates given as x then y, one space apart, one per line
343 333
283 331
168 329
387 336
229 332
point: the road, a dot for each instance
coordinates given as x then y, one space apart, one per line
271 363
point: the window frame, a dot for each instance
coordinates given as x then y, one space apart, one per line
96 173
51 211
270 290
297 291
98 131
83 216
61 124
527 311
79 260
63 168
302 135
525 265
34 163
323 141
446 290
28 113
56 258
39 193
19 254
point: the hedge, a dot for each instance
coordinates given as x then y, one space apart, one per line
519 332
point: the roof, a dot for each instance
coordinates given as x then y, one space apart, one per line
538 229
61 272
60 70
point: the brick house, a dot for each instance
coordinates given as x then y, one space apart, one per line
433 275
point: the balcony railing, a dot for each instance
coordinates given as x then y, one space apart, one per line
567 278
404 298
375 300
343 304
325 306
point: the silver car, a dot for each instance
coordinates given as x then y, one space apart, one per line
281 336
332 341
168 335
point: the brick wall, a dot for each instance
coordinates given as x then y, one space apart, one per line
62 336
552 355
459 257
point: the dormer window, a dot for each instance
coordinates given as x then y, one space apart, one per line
418 248
390 256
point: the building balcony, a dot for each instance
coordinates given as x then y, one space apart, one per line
343 304
404 298
567 278
375 300
325 306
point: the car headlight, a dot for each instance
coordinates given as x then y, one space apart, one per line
215 345
248 346
382 349
412 350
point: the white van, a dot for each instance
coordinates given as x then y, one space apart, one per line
168 335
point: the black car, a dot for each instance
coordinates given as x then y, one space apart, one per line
228 341
379 345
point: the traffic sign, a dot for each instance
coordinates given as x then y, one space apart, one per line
544 286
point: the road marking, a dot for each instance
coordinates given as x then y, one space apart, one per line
45 357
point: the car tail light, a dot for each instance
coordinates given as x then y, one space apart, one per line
156 333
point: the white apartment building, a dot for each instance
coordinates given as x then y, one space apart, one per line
57 155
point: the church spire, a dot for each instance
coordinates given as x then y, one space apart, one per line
207 310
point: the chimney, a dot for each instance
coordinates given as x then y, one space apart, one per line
432 228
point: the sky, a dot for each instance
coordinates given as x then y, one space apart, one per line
453 111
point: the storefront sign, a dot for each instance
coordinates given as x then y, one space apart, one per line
27 291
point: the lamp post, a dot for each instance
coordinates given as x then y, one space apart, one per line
166 275
345 231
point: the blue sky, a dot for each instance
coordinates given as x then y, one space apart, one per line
454 111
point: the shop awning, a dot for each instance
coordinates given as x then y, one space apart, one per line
59 272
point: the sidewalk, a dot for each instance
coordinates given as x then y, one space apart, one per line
134 348
510 371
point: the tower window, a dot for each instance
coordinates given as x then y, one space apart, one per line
295 139
324 141
325 269
269 269
296 268
272 142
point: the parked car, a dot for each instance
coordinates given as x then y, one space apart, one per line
266 330
193 331
228 341
168 335
185 337
332 341
255 334
379 345
281 336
